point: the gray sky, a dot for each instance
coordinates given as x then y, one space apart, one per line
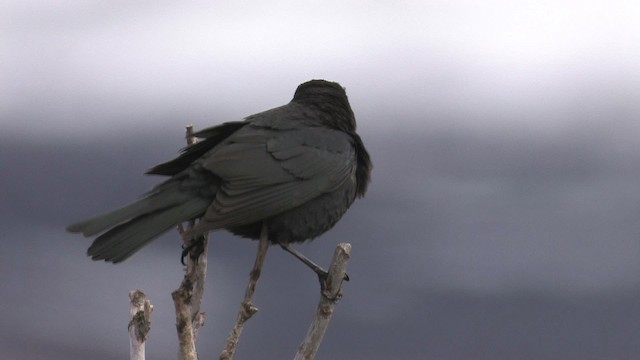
502 221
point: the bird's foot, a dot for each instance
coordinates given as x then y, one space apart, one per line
323 278
322 273
193 249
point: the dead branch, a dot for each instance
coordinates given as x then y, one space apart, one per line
181 299
188 297
140 323
330 294
247 309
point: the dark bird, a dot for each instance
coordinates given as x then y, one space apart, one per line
297 167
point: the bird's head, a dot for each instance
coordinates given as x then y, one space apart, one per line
330 98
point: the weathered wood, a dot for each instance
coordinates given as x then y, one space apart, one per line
140 313
330 294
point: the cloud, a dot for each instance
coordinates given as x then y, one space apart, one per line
98 68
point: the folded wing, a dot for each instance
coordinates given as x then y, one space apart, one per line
268 171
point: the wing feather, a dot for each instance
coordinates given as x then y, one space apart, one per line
265 172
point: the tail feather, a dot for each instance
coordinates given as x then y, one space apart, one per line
148 204
124 240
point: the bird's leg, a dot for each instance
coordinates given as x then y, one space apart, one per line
312 265
322 273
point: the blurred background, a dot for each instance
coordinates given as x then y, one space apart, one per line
501 223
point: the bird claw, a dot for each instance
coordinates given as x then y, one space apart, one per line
323 277
194 249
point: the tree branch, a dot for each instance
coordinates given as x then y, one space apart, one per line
197 266
247 309
330 294
188 297
140 324
181 299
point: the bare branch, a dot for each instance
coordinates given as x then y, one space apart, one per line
140 324
188 297
181 299
197 267
247 309
329 296
190 138
197 270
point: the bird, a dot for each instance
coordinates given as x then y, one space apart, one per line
294 169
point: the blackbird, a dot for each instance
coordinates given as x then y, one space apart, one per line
296 167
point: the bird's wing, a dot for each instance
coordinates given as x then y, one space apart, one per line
265 172
209 138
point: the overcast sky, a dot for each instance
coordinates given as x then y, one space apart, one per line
502 221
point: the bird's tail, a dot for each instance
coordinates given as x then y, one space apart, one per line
131 227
